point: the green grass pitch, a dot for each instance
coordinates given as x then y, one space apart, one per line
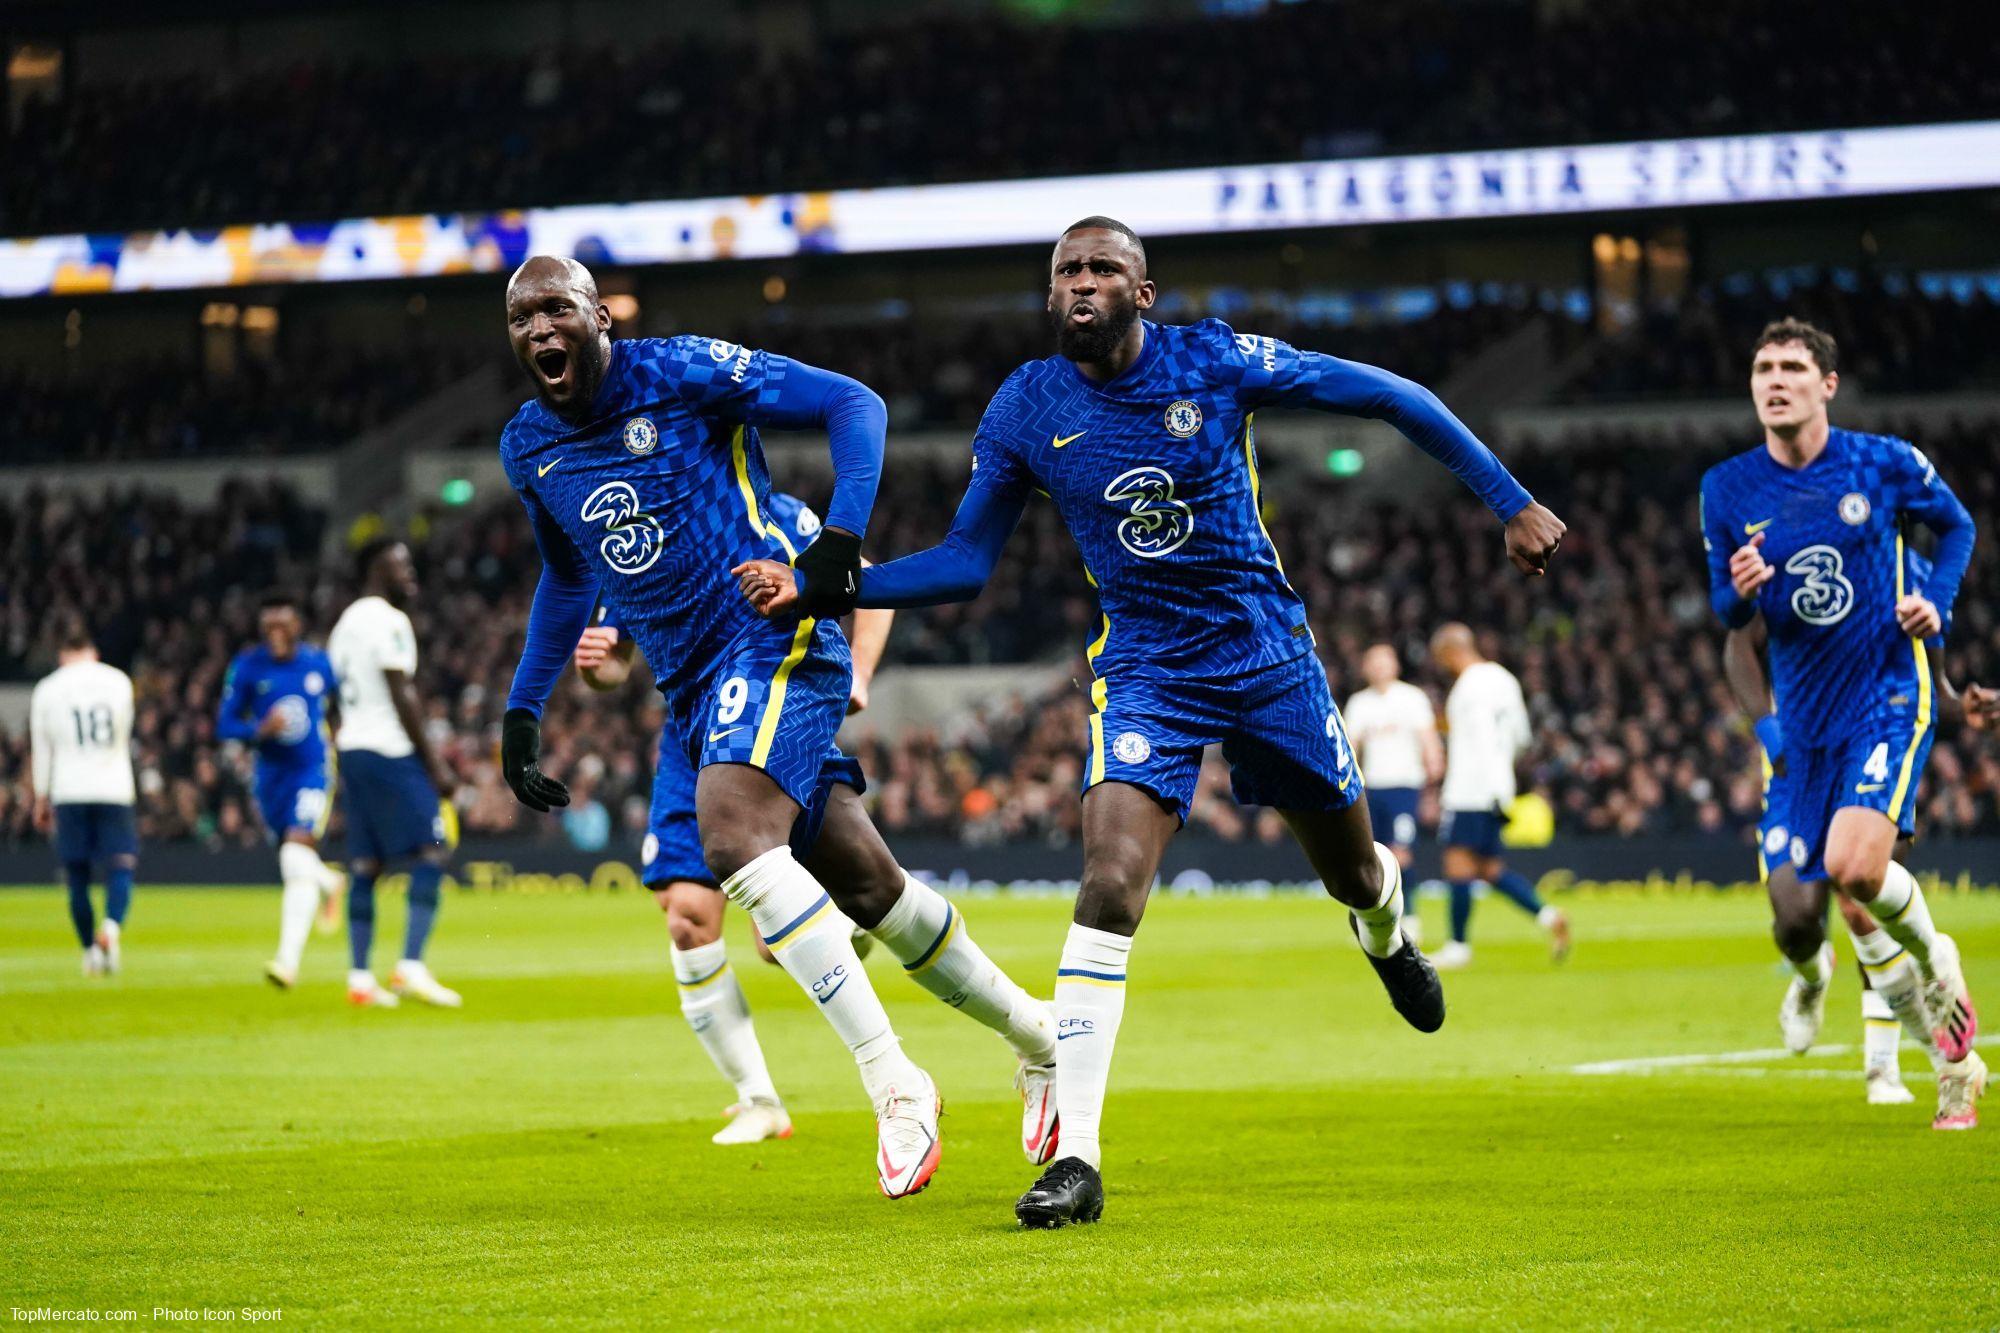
1281 1150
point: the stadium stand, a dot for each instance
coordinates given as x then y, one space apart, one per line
308 399
723 114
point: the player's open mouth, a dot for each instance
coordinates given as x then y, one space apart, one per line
553 364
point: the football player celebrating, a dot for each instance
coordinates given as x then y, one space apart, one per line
1807 532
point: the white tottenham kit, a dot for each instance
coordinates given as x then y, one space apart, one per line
1488 721
372 637
80 726
1387 727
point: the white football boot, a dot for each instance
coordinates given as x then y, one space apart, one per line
413 979
906 1131
1804 1007
1954 1022
108 932
1039 1129
753 1122
284 978
93 961
1960 1086
1453 956
364 992
332 891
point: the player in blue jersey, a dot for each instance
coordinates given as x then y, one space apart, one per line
1798 909
1808 532
1141 434
671 863
275 698
640 467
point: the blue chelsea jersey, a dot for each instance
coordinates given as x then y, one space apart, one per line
661 491
1155 475
1834 530
296 689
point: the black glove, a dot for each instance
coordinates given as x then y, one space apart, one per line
832 569
520 747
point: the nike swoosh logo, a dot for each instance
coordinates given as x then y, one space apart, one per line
830 994
1752 529
546 468
715 736
1062 440
1871 786
1065 1036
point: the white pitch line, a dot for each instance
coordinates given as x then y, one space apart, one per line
1714 1061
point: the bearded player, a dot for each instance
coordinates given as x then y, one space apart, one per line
1807 532
1141 434
639 464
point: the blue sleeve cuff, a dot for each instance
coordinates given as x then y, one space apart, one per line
1771 735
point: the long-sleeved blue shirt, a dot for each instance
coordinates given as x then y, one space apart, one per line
663 488
1155 474
1834 530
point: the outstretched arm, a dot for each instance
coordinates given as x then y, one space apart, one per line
952 571
1275 372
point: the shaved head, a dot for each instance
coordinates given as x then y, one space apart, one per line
561 332
1097 222
560 269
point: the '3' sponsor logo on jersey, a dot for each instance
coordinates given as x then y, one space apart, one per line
1825 597
1159 523
634 542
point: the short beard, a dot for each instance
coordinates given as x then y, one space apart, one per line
591 360
1096 341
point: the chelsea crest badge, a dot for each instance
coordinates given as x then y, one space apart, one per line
641 436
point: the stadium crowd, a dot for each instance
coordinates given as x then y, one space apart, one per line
1898 333
1617 650
307 398
726 113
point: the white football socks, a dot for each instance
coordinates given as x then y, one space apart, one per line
1898 981
1881 1033
929 936
713 1004
1904 915
1090 1001
299 868
1381 925
814 943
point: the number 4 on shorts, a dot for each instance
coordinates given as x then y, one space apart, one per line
1877 767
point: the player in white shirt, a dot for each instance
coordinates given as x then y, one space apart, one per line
1486 729
394 789
1393 729
80 730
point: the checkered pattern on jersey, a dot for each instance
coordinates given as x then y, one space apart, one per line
663 489
1154 475
1831 529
